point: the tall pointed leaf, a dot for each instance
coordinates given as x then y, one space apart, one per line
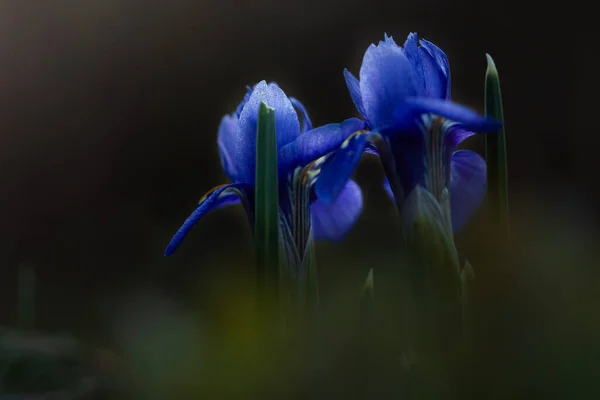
266 212
495 149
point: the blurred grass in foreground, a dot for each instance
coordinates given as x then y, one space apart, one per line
535 332
535 328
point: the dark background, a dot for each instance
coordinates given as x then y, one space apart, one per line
109 113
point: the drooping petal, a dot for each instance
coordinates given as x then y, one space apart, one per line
286 123
456 135
387 77
227 199
226 140
467 186
467 118
306 122
442 62
212 200
340 165
333 221
354 89
317 143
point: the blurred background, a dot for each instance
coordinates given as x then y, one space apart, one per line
108 118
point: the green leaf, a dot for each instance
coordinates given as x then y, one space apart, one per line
495 149
266 211
433 272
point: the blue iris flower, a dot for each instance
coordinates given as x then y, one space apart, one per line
300 149
403 96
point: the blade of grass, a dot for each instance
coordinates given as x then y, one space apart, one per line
266 212
495 150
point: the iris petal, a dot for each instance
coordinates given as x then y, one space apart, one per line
212 200
226 140
436 81
456 135
240 106
286 123
340 166
354 89
333 221
442 62
388 39
387 77
467 118
317 143
412 53
467 186
306 122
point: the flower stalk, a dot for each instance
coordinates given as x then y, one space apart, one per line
434 274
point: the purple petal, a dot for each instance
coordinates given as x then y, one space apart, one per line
316 143
306 122
412 53
467 118
442 62
387 77
226 141
354 89
455 136
467 186
340 166
387 39
333 221
225 200
240 106
436 81
286 123
212 200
